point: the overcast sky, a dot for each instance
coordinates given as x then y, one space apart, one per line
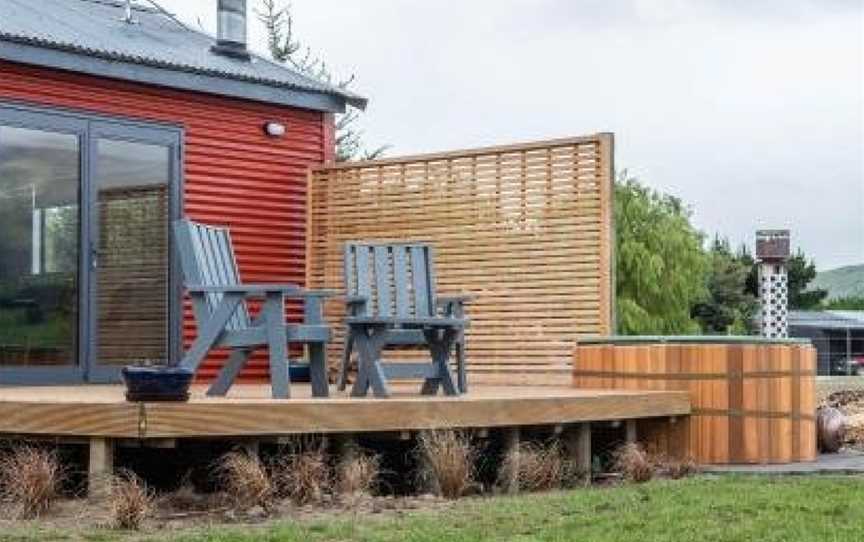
752 112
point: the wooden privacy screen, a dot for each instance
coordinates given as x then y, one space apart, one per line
527 228
751 402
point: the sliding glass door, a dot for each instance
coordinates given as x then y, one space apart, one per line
86 281
132 175
40 232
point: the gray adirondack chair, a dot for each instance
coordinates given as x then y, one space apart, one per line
222 317
391 300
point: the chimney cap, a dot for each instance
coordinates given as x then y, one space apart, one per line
231 29
773 245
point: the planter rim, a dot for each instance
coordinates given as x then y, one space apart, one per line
688 339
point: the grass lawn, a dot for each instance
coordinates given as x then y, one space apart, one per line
701 508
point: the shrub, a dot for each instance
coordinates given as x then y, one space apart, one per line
245 480
358 475
302 472
448 462
130 500
30 480
538 467
633 462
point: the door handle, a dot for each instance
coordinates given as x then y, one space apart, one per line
95 253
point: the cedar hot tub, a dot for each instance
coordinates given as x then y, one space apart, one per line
753 400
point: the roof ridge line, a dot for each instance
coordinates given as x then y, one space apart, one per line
120 4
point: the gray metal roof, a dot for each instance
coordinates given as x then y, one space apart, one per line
90 36
827 319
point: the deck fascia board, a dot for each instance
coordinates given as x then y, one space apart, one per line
251 416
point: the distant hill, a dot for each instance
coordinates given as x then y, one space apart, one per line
841 282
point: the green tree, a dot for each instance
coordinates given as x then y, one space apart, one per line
751 284
729 307
286 48
802 271
850 303
661 267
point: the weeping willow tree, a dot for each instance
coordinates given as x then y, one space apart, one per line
661 266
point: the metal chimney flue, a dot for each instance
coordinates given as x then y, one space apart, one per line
231 29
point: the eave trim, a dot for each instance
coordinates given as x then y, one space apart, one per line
183 80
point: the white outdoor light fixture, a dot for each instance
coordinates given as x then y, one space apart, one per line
274 129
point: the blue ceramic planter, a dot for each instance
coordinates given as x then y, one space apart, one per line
157 383
299 373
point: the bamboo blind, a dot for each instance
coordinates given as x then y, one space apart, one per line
526 228
133 275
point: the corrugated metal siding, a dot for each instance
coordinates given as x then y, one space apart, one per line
234 174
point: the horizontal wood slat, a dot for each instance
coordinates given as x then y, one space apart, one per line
84 411
526 228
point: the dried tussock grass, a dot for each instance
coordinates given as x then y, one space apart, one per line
30 480
302 472
449 460
245 480
130 501
538 467
633 462
676 468
358 476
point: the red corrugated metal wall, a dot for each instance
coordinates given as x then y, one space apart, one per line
234 175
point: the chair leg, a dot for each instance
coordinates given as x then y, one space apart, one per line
439 346
209 331
369 373
342 381
430 386
277 343
318 370
229 372
462 370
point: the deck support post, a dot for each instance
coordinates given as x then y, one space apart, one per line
510 453
100 467
346 447
577 445
630 431
425 473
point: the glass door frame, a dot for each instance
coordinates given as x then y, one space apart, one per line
89 127
171 138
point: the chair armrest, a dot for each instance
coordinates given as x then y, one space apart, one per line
354 304
456 298
454 305
244 288
312 293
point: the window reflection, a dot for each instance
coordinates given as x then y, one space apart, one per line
39 224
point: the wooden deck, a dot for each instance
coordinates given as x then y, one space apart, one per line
102 412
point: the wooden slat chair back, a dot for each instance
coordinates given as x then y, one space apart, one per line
397 279
212 280
391 297
207 259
